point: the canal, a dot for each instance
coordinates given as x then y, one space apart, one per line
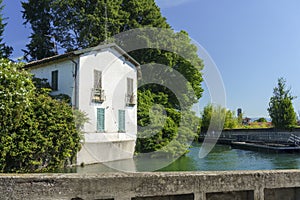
221 158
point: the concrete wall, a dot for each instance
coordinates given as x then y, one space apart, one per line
236 185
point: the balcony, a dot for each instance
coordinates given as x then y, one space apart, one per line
130 99
98 95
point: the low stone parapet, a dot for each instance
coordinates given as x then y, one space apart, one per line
248 185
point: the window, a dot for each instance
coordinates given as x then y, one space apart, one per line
97 79
121 120
130 98
54 80
129 86
100 119
98 92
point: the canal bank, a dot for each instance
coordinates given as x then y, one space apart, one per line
266 147
268 135
264 140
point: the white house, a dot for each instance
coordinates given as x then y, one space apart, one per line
102 82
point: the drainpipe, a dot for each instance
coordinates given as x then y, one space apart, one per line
75 82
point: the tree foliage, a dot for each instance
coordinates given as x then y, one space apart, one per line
77 24
281 108
261 119
5 50
164 130
230 120
37 132
38 15
219 114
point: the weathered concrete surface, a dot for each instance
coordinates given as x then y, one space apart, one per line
257 185
243 195
282 193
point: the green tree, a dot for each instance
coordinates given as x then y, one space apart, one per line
82 24
262 119
39 15
143 13
281 109
37 132
5 51
206 117
163 130
219 114
230 120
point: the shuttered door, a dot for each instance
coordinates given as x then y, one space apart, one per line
121 120
129 86
100 119
97 79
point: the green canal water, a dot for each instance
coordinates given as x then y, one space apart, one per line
221 158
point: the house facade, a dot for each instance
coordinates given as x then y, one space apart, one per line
102 82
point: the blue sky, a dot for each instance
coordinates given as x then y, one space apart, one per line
252 42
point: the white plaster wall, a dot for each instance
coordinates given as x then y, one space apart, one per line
114 82
66 70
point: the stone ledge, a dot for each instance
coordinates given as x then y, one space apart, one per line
257 185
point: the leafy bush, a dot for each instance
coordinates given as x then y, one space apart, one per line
37 132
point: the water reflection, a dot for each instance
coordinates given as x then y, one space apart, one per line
282 161
184 163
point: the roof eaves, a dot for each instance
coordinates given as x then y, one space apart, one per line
79 52
111 45
49 59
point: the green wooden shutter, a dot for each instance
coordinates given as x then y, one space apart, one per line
100 119
121 120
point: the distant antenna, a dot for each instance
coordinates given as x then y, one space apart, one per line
105 13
